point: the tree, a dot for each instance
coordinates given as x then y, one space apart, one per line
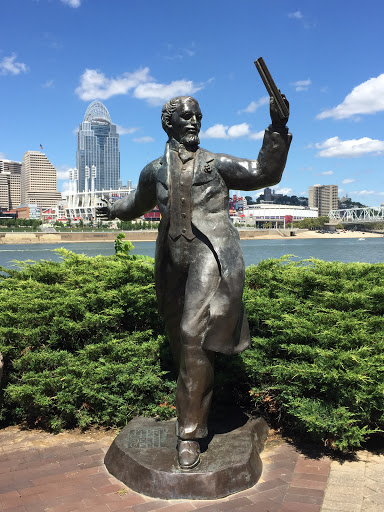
348 203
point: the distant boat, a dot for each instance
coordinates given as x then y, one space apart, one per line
361 239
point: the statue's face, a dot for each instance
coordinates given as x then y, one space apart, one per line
186 122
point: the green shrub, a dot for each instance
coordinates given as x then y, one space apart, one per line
317 360
83 345
56 316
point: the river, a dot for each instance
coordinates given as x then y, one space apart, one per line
370 250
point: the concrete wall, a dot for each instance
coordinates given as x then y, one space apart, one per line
107 236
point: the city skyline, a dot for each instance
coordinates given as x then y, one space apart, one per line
57 56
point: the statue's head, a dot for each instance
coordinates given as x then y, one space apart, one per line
181 119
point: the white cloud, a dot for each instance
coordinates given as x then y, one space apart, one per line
366 98
157 94
9 66
180 53
302 85
257 135
327 173
48 84
63 172
220 131
125 131
95 85
144 140
63 188
348 180
254 105
283 190
334 147
72 3
297 15
217 131
366 193
238 130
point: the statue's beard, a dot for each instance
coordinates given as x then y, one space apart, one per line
190 140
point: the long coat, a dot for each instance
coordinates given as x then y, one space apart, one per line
214 175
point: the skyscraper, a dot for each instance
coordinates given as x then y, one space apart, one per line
9 184
98 144
38 180
323 197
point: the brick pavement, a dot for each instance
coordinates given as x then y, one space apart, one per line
40 472
357 485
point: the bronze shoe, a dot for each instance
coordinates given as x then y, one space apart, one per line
188 452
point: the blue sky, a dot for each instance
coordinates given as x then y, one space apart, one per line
56 56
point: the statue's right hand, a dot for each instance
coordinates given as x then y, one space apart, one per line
104 212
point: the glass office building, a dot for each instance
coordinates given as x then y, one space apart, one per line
98 144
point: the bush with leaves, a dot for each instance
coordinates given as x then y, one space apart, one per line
83 345
317 360
56 316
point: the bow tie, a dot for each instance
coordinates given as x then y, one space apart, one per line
184 154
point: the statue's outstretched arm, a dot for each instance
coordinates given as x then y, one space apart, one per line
133 205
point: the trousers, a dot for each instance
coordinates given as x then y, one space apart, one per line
192 277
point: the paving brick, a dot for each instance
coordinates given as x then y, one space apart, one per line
236 504
64 507
300 498
299 507
305 491
107 489
211 507
115 507
131 499
262 506
311 476
308 484
100 500
179 507
271 484
274 494
151 505
19 508
246 493
10 499
336 506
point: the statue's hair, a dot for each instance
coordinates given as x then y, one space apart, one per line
168 109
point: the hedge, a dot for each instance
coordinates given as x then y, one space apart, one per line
83 345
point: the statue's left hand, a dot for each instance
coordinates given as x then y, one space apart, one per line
276 119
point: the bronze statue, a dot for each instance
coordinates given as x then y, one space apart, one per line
199 267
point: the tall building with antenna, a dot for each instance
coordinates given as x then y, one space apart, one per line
98 146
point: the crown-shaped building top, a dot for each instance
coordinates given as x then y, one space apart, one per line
97 112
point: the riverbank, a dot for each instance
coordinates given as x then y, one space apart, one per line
150 236
308 234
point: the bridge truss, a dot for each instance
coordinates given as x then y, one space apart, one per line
358 215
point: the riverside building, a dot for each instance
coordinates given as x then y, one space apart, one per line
10 172
323 197
38 181
276 214
98 147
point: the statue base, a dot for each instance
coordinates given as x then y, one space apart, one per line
144 457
